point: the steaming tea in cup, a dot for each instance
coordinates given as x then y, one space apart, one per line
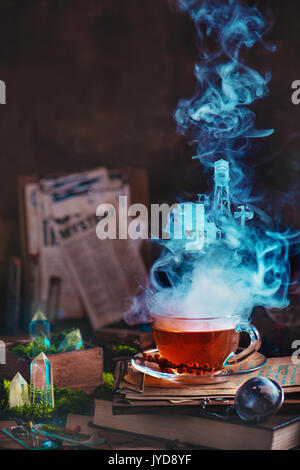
204 341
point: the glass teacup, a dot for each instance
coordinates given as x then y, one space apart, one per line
207 342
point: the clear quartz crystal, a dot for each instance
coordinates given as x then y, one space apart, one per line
18 391
71 342
41 382
39 325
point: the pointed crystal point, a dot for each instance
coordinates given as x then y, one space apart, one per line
41 382
71 341
18 391
39 316
39 325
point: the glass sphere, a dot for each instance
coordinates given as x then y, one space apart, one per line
258 398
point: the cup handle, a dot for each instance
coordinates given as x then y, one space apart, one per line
255 343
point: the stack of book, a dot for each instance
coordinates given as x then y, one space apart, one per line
194 429
154 391
198 416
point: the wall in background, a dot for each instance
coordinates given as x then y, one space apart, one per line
95 82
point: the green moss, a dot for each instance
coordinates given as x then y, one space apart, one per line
4 387
29 350
66 401
4 394
35 412
108 381
72 401
125 350
105 390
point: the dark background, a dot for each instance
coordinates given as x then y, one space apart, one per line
93 82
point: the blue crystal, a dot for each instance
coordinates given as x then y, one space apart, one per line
71 342
39 325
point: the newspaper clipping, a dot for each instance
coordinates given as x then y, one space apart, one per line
97 276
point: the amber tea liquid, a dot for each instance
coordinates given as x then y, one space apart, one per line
181 341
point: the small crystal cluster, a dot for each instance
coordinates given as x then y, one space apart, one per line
41 380
41 384
171 368
39 332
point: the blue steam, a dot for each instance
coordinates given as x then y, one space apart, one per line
242 260
217 118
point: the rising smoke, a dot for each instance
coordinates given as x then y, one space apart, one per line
247 265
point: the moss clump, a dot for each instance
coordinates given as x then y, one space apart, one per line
108 381
72 401
30 350
4 393
105 390
66 401
124 350
36 412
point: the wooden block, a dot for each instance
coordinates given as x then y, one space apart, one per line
11 340
78 369
75 369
